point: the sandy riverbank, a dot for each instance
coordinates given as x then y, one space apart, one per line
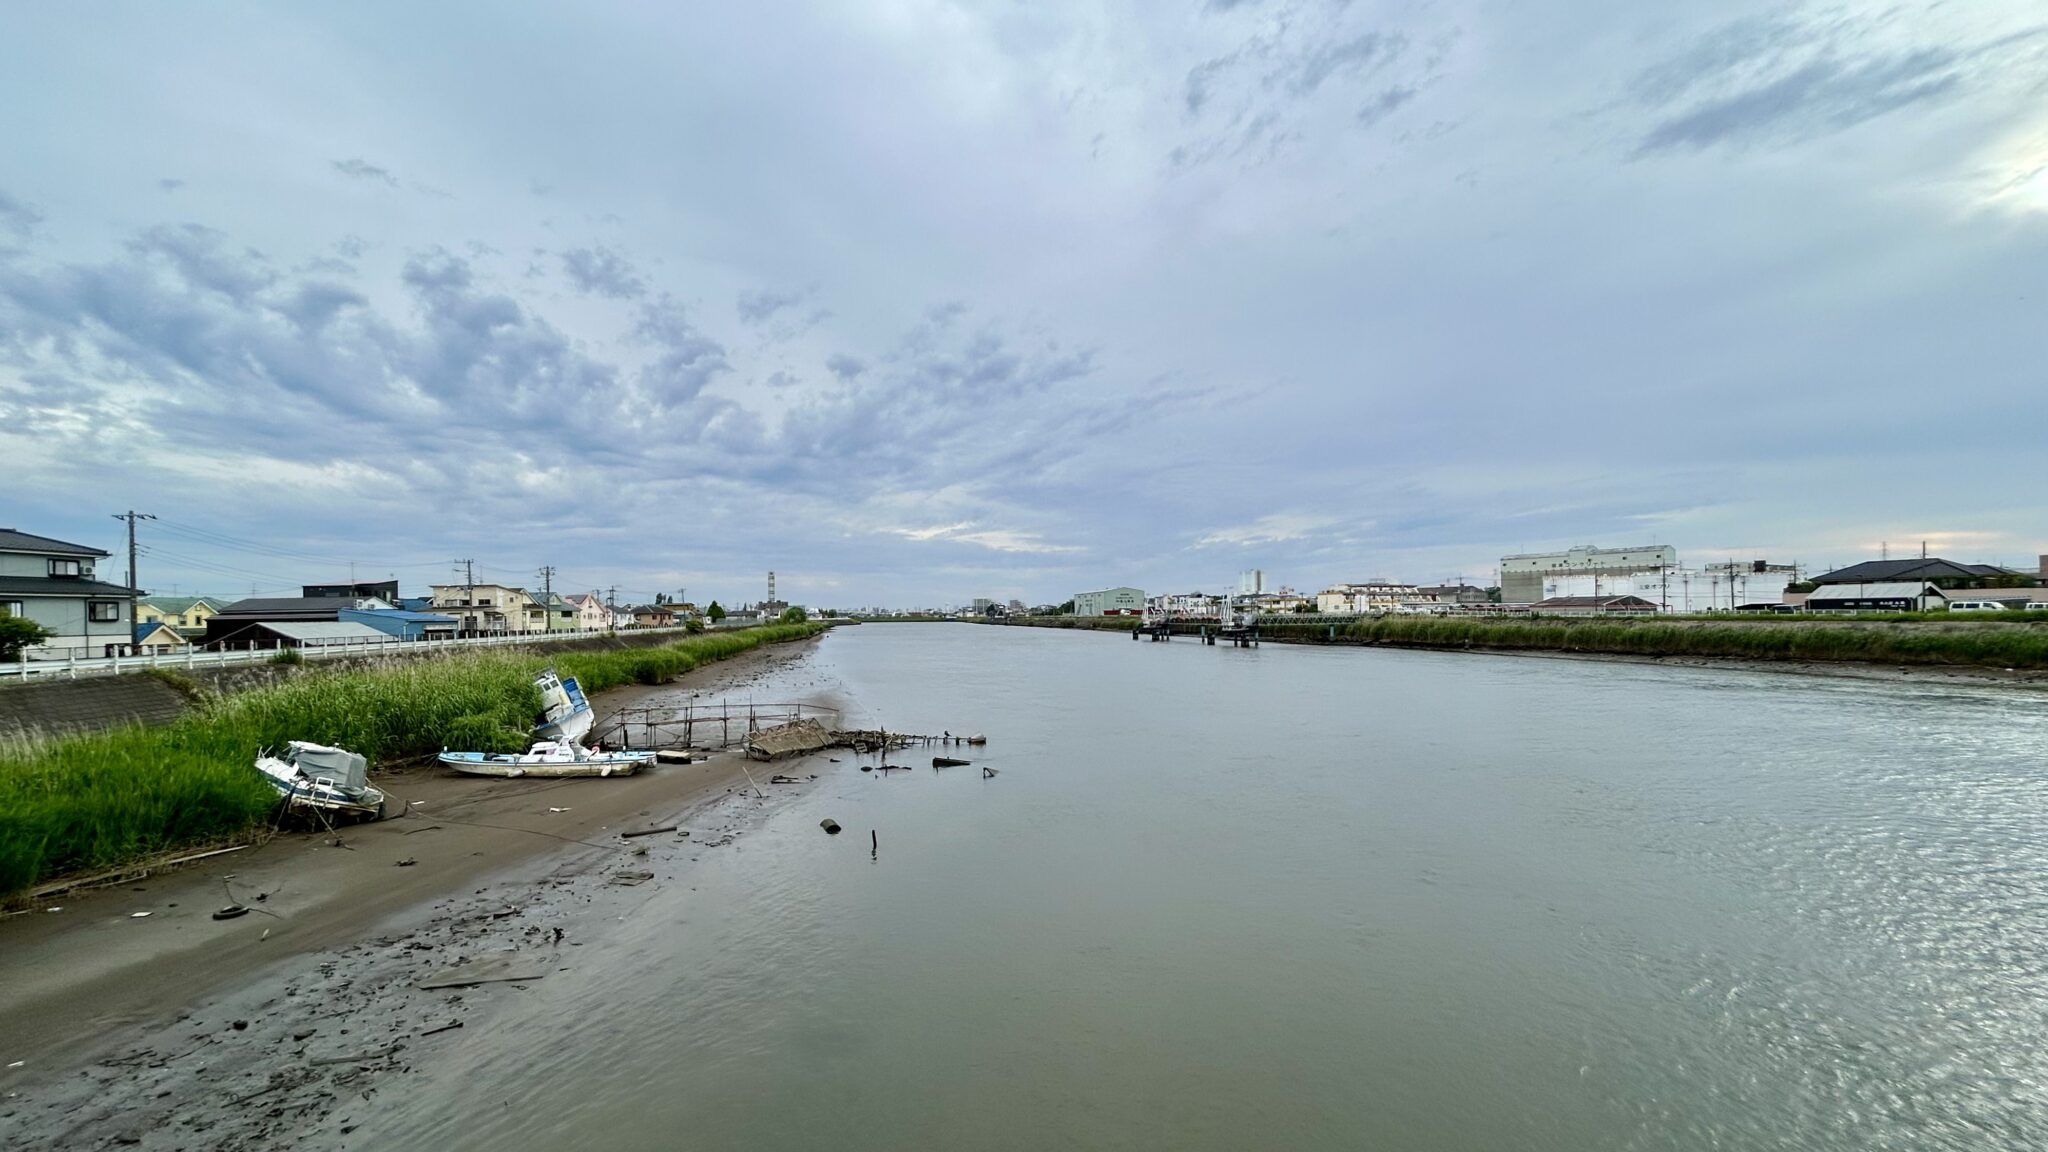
118 1028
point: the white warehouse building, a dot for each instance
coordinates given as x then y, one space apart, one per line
1121 601
1523 578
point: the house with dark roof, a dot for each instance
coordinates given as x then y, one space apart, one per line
1927 569
56 584
226 625
1594 606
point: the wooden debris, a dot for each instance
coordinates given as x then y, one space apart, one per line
487 970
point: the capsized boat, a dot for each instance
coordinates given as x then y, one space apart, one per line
565 713
548 758
324 779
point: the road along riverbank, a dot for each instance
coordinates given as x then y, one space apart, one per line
321 971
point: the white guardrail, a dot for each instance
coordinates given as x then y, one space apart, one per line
25 669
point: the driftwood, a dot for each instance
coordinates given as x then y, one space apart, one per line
648 831
490 969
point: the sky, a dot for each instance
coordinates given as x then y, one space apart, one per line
915 301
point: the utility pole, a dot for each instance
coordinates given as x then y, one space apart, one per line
547 580
611 605
474 617
134 609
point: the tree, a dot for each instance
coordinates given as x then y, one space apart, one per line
794 615
693 626
17 633
661 597
1307 607
1067 609
716 612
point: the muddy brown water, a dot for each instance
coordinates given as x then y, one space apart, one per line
1303 898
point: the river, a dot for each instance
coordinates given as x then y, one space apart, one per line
1322 898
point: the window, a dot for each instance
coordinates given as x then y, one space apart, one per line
66 568
10 608
105 611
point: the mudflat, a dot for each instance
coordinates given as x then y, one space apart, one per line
105 981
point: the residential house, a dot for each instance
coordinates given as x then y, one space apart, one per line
156 638
485 609
591 613
562 616
652 616
55 584
1368 597
188 614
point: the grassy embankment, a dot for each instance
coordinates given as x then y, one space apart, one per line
1991 645
1931 638
91 802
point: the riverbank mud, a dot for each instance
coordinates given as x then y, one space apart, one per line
131 1016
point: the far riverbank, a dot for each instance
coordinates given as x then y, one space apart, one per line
1975 652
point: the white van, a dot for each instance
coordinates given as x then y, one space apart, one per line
1975 606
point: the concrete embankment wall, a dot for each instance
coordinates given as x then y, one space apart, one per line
158 697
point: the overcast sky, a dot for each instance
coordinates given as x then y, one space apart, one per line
916 301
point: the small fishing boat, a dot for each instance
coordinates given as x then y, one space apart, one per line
548 758
322 779
565 712
948 762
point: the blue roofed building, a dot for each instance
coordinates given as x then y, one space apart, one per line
403 623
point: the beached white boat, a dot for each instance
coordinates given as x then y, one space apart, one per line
565 713
548 758
317 777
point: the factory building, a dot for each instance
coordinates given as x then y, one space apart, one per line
1522 577
1110 602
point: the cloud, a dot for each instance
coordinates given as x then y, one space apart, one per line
599 271
993 539
1385 104
1361 54
1775 79
761 306
1281 84
845 367
1276 528
357 168
170 184
17 217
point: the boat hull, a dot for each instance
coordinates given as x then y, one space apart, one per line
517 766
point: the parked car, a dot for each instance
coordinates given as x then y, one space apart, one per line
1975 606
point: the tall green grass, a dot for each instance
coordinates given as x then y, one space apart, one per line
91 802
2002 646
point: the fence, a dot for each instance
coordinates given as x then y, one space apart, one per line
71 667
